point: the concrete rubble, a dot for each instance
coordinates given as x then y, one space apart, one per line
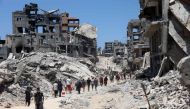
165 92
39 69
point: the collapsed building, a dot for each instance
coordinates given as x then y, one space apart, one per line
35 29
137 45
166 24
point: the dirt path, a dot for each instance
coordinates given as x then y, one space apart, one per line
105 98
52 103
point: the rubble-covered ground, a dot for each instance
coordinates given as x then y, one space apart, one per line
42 69
38 70
164 93
107 63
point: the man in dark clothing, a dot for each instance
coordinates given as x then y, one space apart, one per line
38 99
78 86
101 80
96 83
28 96
2 87
88 83
60 87
124 76
105 81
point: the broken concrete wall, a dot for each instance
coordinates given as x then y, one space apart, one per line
165 23
153 16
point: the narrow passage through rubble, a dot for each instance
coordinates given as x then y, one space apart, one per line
113 96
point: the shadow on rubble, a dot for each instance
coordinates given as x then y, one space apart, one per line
5 84
143 74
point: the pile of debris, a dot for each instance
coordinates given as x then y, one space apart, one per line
165 92
169 93
39 70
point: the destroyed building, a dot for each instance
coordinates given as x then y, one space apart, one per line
166 24
108 50
137 45
35 29
115 48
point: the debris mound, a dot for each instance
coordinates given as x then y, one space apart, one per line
38 69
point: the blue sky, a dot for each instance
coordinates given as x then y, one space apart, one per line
109 16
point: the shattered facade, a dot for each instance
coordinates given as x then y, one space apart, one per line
166 24
115 49
48 31
137 45
108 50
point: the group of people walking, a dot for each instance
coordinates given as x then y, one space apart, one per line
68 85
118 77
92 82
61 87
38 98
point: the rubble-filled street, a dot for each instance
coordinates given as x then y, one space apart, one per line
165 93
130 54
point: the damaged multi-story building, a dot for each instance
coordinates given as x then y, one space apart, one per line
137 45
50 31
166 24
114 48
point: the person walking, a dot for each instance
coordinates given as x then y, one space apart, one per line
83 84
88 83
28 96
96 83
105 80
38 99
55 89
69 82
101 80
124 75
78 86
60 87
92 83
